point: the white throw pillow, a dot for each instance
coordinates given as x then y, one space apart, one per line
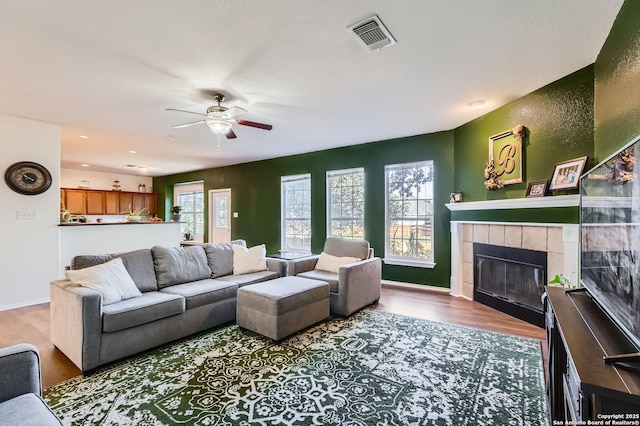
247 260
329 263
110 279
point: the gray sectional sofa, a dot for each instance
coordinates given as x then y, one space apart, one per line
21 388
184 290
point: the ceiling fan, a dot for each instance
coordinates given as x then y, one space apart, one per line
220 119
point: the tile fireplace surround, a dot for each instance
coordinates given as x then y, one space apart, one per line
559 240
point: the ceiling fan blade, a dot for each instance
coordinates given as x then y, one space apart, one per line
234 111
188 112
254 124
180 126
230 134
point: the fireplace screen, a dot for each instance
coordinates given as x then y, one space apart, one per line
513 275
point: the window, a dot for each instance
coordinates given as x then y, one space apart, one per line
409 214
345 203
191 198
296 213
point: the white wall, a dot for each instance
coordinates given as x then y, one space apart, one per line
70 178
29 249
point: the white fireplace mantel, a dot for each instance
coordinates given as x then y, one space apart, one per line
560 240
518 203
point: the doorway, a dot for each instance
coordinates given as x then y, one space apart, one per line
219 215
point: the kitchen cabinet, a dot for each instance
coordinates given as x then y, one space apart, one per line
75 200
95 202
112 203
98 202
150 201
126 201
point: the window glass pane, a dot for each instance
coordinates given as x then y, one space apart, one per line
409 212
345 203
192 203
296 213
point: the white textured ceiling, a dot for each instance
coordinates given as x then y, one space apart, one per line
108 69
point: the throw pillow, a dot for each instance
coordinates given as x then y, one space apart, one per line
220 257
177 265
329 263
247 260
110 279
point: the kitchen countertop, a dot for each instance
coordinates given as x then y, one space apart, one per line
111 223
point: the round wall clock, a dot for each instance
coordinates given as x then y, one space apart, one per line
28 178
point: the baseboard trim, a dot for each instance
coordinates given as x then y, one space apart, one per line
24 305
418 287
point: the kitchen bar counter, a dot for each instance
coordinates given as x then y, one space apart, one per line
113 223
113 237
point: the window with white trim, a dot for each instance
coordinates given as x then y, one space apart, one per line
345 203
409 214
296 213
190 196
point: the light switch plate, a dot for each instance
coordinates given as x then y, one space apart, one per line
235 214
27 214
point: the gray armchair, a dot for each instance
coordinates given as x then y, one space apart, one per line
21 388
356 285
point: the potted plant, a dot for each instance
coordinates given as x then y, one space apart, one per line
65 213
175 210
134 215
188 229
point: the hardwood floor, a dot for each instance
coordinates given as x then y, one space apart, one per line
31 324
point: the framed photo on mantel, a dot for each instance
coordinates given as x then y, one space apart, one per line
537 188
566 175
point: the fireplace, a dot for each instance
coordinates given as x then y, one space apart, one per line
511 280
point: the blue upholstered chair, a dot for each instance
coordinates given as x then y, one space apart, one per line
21 388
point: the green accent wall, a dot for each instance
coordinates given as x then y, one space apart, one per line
255 195
559 126
593 111
617 83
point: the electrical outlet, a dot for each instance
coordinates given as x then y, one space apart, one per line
27 214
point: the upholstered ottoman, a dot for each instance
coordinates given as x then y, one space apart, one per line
280 307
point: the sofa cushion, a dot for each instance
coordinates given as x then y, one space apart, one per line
342 247
249 260
139 264
177 265
151 306
329 263
27 409
327 277
252 278
220 257
110 279
203 292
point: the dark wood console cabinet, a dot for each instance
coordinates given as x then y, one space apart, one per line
580 386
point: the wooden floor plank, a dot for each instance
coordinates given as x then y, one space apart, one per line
31 324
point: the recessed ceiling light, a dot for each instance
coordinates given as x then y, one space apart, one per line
83 137
84 165
131 151
477 103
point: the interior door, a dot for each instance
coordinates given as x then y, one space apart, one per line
219 215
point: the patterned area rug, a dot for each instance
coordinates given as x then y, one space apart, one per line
373 368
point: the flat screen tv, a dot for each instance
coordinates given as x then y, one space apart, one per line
610 238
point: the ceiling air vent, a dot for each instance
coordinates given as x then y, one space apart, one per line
372 34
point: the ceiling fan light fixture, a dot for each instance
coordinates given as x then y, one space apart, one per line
219 127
